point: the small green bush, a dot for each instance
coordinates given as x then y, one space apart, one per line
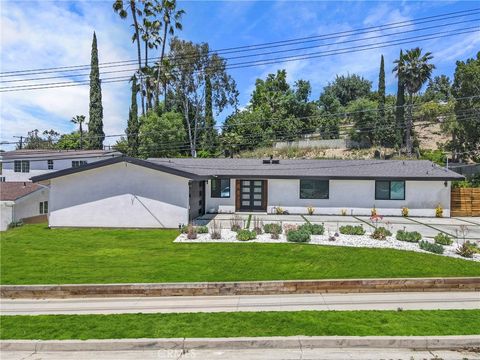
298 236
313 229
202 229
465 250
245 235
15 224
431 247
443 239
235 227
381 233
473 246
352 230
272 228
410 236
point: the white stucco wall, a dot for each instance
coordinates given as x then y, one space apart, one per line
39 167
119 195
358 197
29 205
6 214
220 205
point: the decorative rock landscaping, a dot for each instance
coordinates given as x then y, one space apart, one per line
228 236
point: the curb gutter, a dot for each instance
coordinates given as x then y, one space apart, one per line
290 342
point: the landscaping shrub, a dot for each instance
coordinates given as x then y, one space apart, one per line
473 246
216 233
257 225
245 235
290 227
271 228
191 232
405 211
310 210
352 230
275 233
298 236
410 236
202 229
443 239
381 233
236 223
431 247
313 229
464 250
439 211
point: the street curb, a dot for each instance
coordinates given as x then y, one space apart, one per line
241 288
289 342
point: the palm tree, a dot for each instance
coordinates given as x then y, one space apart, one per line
415 71
171 22
79 119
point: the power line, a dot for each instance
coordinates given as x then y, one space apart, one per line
256 62
388 26
261 54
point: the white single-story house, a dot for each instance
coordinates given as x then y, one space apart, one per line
129 192
22 201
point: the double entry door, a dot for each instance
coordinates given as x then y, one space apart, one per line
251 195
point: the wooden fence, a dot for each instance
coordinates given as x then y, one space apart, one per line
465 202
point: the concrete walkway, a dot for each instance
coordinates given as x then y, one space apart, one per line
250 354
296 302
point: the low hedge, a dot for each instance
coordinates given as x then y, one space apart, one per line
431 247
443 239
409 236
272 228
298 236
313 229
352 230
245 235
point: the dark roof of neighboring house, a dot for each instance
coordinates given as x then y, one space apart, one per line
33 155
12 190
286 169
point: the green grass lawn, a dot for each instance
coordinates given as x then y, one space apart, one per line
34 254
310 323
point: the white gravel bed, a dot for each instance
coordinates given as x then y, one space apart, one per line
366 241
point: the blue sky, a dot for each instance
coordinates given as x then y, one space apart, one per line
48 33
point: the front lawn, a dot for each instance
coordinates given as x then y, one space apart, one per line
310 323
34 254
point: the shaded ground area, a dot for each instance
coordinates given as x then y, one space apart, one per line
468 227
35 254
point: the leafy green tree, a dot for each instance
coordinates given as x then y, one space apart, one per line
34 140
363 113
346 89
133 124
95 124
121 145
79 120
161 135
439 89
70 141
400 103
416 70
466 86
248 129
385 132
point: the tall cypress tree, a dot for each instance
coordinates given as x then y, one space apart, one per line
95 125
381 89
400 106
133 125
210 135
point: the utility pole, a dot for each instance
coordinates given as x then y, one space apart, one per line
20 144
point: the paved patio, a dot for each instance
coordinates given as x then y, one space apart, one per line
468 227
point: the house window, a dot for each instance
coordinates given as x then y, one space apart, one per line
77 163
389 190
43 207
21 166
2 178
314 189
50 164
220 188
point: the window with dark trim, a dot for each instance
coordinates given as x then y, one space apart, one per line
220 188
314 189
389 190
50 164
21 166
43 207
77 163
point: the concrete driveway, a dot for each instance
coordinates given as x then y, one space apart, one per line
461 227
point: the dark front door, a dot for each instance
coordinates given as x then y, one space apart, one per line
252 195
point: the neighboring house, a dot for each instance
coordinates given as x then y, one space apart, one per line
22 201
128 192
21 165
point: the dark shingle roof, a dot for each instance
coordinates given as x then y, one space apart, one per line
12 190
55 154
340 169
286 169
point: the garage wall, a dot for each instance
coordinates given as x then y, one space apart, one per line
6 214
29 205
358 197
119 195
